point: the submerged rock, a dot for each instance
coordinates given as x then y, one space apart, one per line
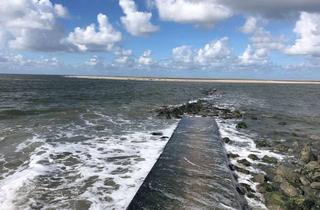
233 156
241 125
157 133
226 140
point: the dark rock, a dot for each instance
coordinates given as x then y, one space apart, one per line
260 178
157 133
164 137
265 187
315 185
233 156
288 189
226 140
262 143
316 177
241 125
241 170
253 157
231 167
246 188
306 154
268 159
244 162
282 123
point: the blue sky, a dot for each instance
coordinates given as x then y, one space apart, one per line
174 38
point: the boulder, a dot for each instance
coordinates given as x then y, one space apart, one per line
304 180
288 189
226 140
306 154
253 157
287 173
233 156
312 166
316 177
274 200
260 178
315 185
244 162
268 159
241 125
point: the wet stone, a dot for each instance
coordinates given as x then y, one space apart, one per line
157 133
120 171
81 204
253 157
244 162
268 159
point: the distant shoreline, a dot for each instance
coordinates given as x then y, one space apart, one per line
244 81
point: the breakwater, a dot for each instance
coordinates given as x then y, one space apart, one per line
191 173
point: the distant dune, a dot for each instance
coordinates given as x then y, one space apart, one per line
199 80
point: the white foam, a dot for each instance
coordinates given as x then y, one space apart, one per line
244 145
93 155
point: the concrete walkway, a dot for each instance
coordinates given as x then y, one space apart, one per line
191 173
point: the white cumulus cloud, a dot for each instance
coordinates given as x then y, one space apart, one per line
198 12
92 38
31 24
146 59
308 30
136 23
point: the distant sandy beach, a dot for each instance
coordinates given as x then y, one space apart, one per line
247 81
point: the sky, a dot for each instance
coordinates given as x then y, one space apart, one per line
265 39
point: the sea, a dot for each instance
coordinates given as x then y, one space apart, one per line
77 143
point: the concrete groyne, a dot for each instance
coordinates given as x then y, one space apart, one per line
191 173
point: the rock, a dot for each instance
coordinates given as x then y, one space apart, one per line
288 189
241 170
315 185
265 187
287 173
241 125
268 159
253 157
274 200
244 162
316 177
237 114
262 143
306 154
260 178
304 180
157 133
312 166
247 188
282 123
226 140
233 156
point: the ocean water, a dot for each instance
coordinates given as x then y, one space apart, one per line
69 143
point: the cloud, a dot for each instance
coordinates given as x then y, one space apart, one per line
145 59
31 25
123 57
136 23
249 26
308 30
214 52
261 42
254 56
272 8
92 38
201 12
183 54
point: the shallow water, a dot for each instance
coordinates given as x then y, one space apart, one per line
77 143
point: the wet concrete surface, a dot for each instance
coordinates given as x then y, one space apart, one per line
191 173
